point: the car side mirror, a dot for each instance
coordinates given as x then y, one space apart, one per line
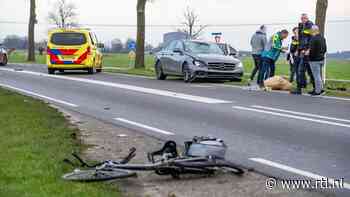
232 54
100 45
179 51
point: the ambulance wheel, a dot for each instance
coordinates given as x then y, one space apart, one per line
90 71
51 71
98 70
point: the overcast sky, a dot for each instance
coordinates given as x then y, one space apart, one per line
169 12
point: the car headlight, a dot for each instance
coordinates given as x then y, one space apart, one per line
198 63
239 65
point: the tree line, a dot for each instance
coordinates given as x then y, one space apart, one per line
64 15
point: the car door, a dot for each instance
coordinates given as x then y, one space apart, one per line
98 51
178 58
166 57
93 48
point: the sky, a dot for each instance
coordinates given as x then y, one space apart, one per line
170 12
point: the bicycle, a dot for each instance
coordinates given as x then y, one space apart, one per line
163 162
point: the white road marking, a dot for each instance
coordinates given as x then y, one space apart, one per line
202 86
39 95
335 98
301 113
292 116
158 92
295 171
144 126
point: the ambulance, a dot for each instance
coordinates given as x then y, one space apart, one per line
73 49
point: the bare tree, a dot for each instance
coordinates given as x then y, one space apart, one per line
321 13
31 30
140 39
64 14
191 19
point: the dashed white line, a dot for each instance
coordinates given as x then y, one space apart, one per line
294 170
158 92
291 116
144 126
300 113
39 95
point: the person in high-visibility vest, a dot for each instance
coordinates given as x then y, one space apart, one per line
305 34
270 55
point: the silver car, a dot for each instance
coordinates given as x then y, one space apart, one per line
197 59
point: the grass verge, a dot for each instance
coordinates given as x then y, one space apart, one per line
35 140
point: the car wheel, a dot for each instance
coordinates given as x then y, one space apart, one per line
4 61
187 75
159 71
90 71
61 70
98 70
51 71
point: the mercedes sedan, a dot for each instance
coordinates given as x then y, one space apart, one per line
197 59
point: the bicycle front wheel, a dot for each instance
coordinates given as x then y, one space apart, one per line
97 175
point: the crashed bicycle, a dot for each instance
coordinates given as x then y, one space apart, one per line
202 155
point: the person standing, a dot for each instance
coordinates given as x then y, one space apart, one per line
270 55
258 44
304 36
292 56
316 53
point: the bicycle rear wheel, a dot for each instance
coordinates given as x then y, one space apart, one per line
94 175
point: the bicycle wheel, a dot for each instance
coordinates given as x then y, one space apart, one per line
97 175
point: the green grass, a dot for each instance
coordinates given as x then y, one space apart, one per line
20 56
34 141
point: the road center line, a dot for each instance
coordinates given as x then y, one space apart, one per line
144 126
294 170
39 95
158 92
300 113
292 116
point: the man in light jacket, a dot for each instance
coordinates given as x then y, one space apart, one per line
258 43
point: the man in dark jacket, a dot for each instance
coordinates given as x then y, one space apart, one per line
258 43
304 66
316 52
292 56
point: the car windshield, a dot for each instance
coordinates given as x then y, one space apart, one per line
203 48
68 38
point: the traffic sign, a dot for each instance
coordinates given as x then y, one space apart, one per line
132 45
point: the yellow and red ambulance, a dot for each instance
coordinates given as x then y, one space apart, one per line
73 49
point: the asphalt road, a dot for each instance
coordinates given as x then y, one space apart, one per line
281 135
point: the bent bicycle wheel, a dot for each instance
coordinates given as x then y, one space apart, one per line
97 175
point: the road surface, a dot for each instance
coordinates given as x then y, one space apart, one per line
278 134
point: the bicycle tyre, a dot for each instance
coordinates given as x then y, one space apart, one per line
94 175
